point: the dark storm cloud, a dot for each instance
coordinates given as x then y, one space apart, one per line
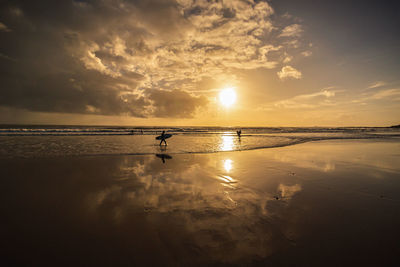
55 69
84 92
176 103
123 57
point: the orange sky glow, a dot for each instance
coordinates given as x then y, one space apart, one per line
166 62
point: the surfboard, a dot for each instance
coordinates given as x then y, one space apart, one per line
164 156
166 136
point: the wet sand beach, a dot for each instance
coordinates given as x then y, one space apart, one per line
327 203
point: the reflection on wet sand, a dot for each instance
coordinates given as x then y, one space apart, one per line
254 207
288 191
213 213
149 207
228 165
163 157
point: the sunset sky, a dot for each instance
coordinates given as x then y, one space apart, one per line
165 62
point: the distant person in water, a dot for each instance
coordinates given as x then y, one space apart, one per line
163 138
239 133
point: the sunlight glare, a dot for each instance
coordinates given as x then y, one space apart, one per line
228 165
227 143
227 97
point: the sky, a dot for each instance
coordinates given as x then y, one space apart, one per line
165 62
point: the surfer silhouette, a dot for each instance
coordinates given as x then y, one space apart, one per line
163 138
239 132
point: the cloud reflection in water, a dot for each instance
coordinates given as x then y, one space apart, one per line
211 208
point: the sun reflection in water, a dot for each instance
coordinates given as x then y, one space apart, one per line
228 165
227 143
227 181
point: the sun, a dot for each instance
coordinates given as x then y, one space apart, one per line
227 97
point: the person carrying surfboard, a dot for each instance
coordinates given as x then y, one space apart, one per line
163 138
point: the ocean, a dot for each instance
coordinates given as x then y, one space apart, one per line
29 141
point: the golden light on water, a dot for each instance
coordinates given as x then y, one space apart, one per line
227 97
228 165
227 143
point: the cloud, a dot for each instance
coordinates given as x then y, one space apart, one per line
6 57
382 94
175 103
294 30
306 53
376 84
325 92
289 72
307 101
4 28
73 93
392 93
112 57
287 58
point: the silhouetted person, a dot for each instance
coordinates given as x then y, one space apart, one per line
163 138
239 132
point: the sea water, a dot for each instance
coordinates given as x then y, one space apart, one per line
49 141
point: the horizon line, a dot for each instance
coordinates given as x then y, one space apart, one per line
166 126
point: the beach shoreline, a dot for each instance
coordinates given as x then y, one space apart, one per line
318 203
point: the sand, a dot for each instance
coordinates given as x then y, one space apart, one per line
329 203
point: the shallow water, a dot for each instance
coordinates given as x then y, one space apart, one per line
329 203
71 141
